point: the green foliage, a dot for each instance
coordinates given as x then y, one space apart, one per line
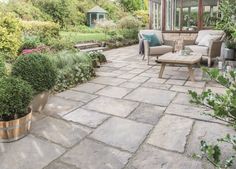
97 57
142 15
132 5
15 97
10 35
227 9
26 11
44 30
72 67
83 29
30 42
129 22
230 44
224 108
37 70
2 67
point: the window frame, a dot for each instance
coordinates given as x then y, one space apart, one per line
200 20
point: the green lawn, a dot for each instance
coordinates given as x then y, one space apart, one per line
76 37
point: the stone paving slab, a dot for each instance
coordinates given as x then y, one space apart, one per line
113 91
108 81
185 89
157 80
88 87
156 85
199 84
171 133
60 165
86 117
58 106
122 133
175 82
139 79
112 106
147 113
152 96
59 131
77 96
152 158
28 153
92 155
127 75
130 85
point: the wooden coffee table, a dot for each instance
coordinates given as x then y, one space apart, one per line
176 58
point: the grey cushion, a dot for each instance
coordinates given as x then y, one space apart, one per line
203 33
160 50
198 49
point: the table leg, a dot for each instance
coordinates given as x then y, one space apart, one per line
162 69
191 73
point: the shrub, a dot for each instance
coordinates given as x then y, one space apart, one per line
10 35
223 108
2 67
143 16
73 68
44 30
37 70
129 22
97 56
30 42
84 29
15 97
105 25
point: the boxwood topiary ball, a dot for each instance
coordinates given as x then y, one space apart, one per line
37 70
15 96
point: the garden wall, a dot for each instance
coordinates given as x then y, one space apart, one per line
179 37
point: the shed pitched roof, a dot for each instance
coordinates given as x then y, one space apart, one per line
97 9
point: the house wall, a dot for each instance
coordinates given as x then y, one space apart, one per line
179 37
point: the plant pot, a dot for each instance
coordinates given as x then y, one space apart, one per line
39 101
229 53
15 129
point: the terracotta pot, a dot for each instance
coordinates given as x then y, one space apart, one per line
15 129
39 101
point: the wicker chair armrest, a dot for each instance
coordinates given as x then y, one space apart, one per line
170 43
214 48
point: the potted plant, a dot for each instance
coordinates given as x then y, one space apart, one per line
40 73
230 46
15 116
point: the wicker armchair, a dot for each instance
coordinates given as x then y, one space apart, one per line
167 45
208 52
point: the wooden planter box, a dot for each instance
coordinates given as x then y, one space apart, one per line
15 129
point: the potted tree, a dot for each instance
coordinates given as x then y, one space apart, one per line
15 116
40 73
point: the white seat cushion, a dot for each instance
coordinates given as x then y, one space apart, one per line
203 33
160 50
198 49
156 32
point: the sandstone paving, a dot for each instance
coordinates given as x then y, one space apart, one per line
152 96
58 106
92 155
171 133
108 81
117 107
86 117
88 87
28 153
59 131
122 133
77 96
113 91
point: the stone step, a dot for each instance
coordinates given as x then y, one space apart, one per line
87 45
94 49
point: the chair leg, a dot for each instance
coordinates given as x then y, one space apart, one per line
209 62
148 57
143 56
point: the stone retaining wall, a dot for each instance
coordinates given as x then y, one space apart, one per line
179 37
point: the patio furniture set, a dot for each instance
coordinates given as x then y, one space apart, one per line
207 45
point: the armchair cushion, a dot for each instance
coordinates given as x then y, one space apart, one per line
205 41
160 50
152 39
198 49
203 33
156 32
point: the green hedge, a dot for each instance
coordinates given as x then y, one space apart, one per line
10 35
73 68
44 30
15 97
37 70
2 66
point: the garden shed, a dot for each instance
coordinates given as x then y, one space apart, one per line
95 14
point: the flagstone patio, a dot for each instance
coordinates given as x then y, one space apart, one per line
126 118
